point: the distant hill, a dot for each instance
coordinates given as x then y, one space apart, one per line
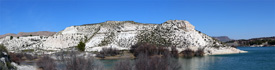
20 34
254 42
223 38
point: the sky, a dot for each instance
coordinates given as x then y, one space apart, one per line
237 19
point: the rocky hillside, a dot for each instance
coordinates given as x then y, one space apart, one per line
121 35
20 34
254 42
222 38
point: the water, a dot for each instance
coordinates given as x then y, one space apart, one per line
257 58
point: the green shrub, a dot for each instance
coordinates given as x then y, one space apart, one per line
11 37
81 46
7 65
28 50
3 48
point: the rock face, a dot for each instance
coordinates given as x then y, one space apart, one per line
123 34
20 34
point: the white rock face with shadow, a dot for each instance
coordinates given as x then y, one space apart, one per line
121 35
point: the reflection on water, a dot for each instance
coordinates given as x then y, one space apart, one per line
197 63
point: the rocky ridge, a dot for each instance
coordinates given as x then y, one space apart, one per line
223 38
121 35
21 34
254 42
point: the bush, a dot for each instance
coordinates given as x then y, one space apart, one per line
199 52
6 64
3 51
151 49
46 63
74 62
18 57
3 48
11 37
81 46
146 48
174 52
188 52
108 52
15 58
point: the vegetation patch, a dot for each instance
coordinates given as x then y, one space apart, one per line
3 49
11 37
87 40
108 52
19 57
81 46
154 37
6 65
46 63
28 50
190 53
73 61
152 50
107 40
199 52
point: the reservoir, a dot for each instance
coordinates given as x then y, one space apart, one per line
257 58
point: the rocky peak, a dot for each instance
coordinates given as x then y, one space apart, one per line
181 24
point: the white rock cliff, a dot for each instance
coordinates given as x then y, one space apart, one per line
121 35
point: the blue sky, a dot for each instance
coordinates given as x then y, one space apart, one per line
238 19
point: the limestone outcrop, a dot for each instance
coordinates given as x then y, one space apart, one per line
123 34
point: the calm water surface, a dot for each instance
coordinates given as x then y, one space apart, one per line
257 58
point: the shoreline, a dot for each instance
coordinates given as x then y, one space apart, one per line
228 53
